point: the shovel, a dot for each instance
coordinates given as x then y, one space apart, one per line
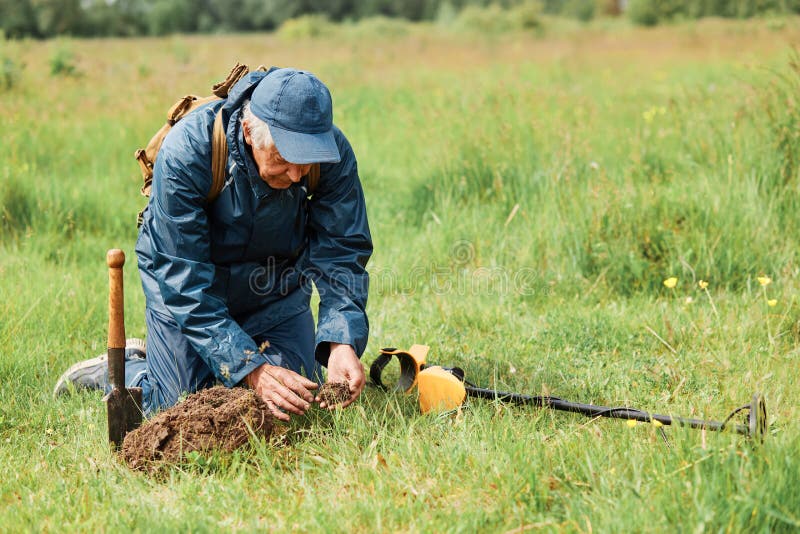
124 404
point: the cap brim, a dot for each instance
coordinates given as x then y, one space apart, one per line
302 148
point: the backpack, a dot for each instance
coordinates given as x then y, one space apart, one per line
219 145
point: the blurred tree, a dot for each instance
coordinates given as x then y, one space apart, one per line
446 13
121 17
18 18
553 7
46 18
172 16
280 10
582 10
57 17
644 12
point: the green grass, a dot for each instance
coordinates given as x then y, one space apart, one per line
527 195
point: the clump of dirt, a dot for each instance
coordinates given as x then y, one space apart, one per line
211 419
333 393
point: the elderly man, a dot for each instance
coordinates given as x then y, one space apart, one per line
228 282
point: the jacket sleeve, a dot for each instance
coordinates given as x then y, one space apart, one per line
339 247
182 258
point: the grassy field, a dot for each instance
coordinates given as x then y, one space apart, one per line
528 196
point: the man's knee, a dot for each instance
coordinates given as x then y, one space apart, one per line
174 368
156 397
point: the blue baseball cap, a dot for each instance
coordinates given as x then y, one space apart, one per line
298 109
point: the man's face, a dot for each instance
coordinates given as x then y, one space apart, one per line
273 169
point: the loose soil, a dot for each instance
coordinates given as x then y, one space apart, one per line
333 393
212 419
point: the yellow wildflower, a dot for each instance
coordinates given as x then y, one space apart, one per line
764 280
703 284
772 302
631 422
671 282
651 113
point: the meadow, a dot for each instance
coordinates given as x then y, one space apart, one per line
528 194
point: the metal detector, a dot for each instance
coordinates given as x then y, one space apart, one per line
445 388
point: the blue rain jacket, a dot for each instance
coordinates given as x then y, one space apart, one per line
253 250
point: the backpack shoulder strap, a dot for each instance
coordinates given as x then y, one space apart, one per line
313 179
219 144
219 158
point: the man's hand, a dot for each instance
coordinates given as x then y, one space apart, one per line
282 389
344 366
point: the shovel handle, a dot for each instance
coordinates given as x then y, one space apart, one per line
116 318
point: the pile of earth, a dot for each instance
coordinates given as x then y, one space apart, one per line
217 418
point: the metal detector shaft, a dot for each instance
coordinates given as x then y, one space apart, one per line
602 411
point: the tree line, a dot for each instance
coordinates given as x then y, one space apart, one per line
48 18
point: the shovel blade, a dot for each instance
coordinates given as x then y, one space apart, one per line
124 413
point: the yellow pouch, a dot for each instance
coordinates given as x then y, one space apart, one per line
439 390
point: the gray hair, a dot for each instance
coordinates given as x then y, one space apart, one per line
259 130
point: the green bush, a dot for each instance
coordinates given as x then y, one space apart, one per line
381 26
10 68
62 61
582 10
173 16
9 73
652 12
306 27
493 19
644 12
528 15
